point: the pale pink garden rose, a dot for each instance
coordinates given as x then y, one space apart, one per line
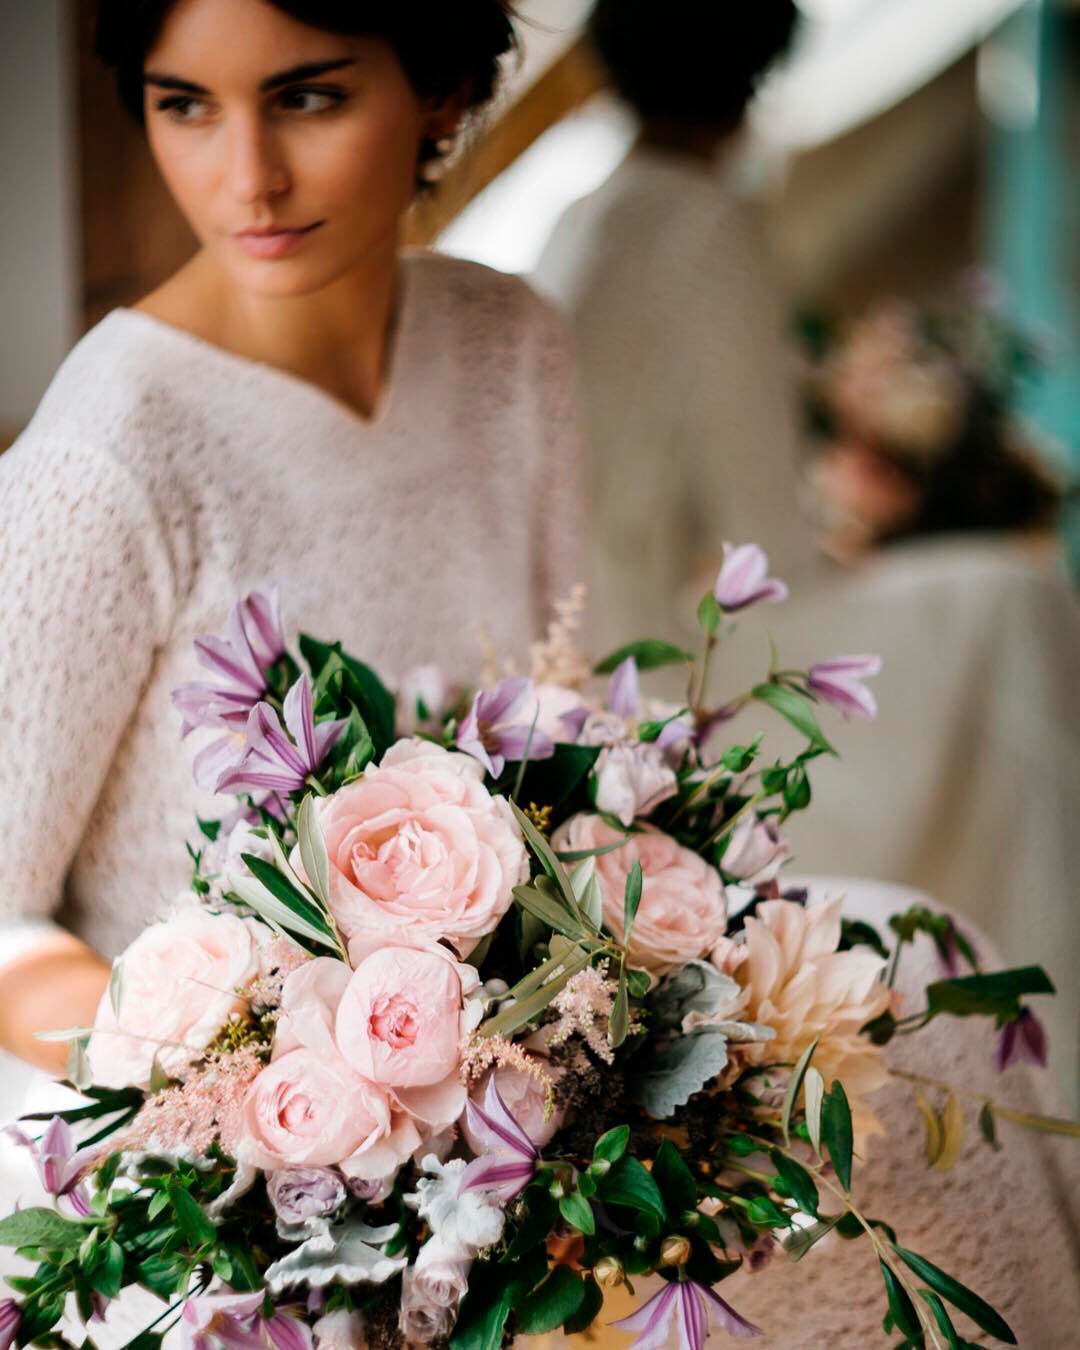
525 1097
683 911
401 1022
419 846
798 984
310 1109
177 990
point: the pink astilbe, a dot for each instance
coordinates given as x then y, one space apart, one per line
584 1007
281 956
481 1053
205 1110
557 660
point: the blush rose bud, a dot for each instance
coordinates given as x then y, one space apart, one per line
674 1251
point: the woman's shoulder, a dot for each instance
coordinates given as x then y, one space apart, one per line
473 296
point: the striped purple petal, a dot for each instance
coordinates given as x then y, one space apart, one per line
496 1126
728 1318
288 1333
499 1172
744 579
692 1322
839 682
653 1319
10 1318
513 742
501 703
624 690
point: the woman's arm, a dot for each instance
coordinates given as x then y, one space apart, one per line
86 600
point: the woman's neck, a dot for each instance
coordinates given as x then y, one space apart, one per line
337 338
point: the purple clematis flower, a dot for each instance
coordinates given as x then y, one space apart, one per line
228 1321
271 760
239 660
744 579
688 1304
509 1160
490 732
840 682
60 1165
10 1319
624 691
1022 1040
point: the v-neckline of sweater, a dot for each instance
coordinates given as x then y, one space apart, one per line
393 367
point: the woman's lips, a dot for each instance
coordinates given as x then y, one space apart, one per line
275 243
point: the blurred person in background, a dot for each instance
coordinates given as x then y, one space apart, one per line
389 439
680 320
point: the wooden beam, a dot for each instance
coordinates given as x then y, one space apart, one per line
573 79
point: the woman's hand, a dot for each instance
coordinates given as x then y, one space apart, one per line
54 986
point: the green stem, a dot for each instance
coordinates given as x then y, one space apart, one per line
315 785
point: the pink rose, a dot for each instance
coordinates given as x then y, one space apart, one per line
683 910
401 1022
420 846
309 1108
177 989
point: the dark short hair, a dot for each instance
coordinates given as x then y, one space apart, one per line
443 45
692 61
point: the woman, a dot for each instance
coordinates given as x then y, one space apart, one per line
390 439
676 308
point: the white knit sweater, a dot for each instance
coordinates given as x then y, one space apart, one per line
161 477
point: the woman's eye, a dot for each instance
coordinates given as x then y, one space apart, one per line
181 107
311 100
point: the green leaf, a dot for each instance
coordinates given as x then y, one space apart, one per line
619 1021
987 1128
164 1274
987 995
675 1180
814 1096
799 1241
578 1213
855 933
610 1147
108 1278
836 1131
41 1227
667 1079
554 781
313 852
193 1222
942 1318
959 1296
554 1302
510 1019
631 899
650 654
346 680
537 1221
159 1202
795 1082
798 1181
880 1029
279 914
549 911
350 755
591 1303
739 758
766 1213
288 893
638 982
630 1185
904 1315
709 614
795 708
797 791
493 1290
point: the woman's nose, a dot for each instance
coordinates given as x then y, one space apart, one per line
258 170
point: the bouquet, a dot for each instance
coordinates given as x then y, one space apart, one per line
915 415
483 1003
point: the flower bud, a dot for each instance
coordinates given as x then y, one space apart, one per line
674 1251
608 1272
599 1167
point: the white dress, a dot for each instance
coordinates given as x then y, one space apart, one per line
690 398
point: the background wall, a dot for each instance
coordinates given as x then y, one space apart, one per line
38 220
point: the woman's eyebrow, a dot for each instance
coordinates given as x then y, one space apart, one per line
309 70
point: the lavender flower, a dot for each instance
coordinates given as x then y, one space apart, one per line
300 1194
240 660
509 1154
744 579
59 1164
839 682
10 1318
270 759
228 1321
490 732
624 691
690 1304
1023 1039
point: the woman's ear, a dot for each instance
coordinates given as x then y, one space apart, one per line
442 116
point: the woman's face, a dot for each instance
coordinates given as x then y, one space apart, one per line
292 152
